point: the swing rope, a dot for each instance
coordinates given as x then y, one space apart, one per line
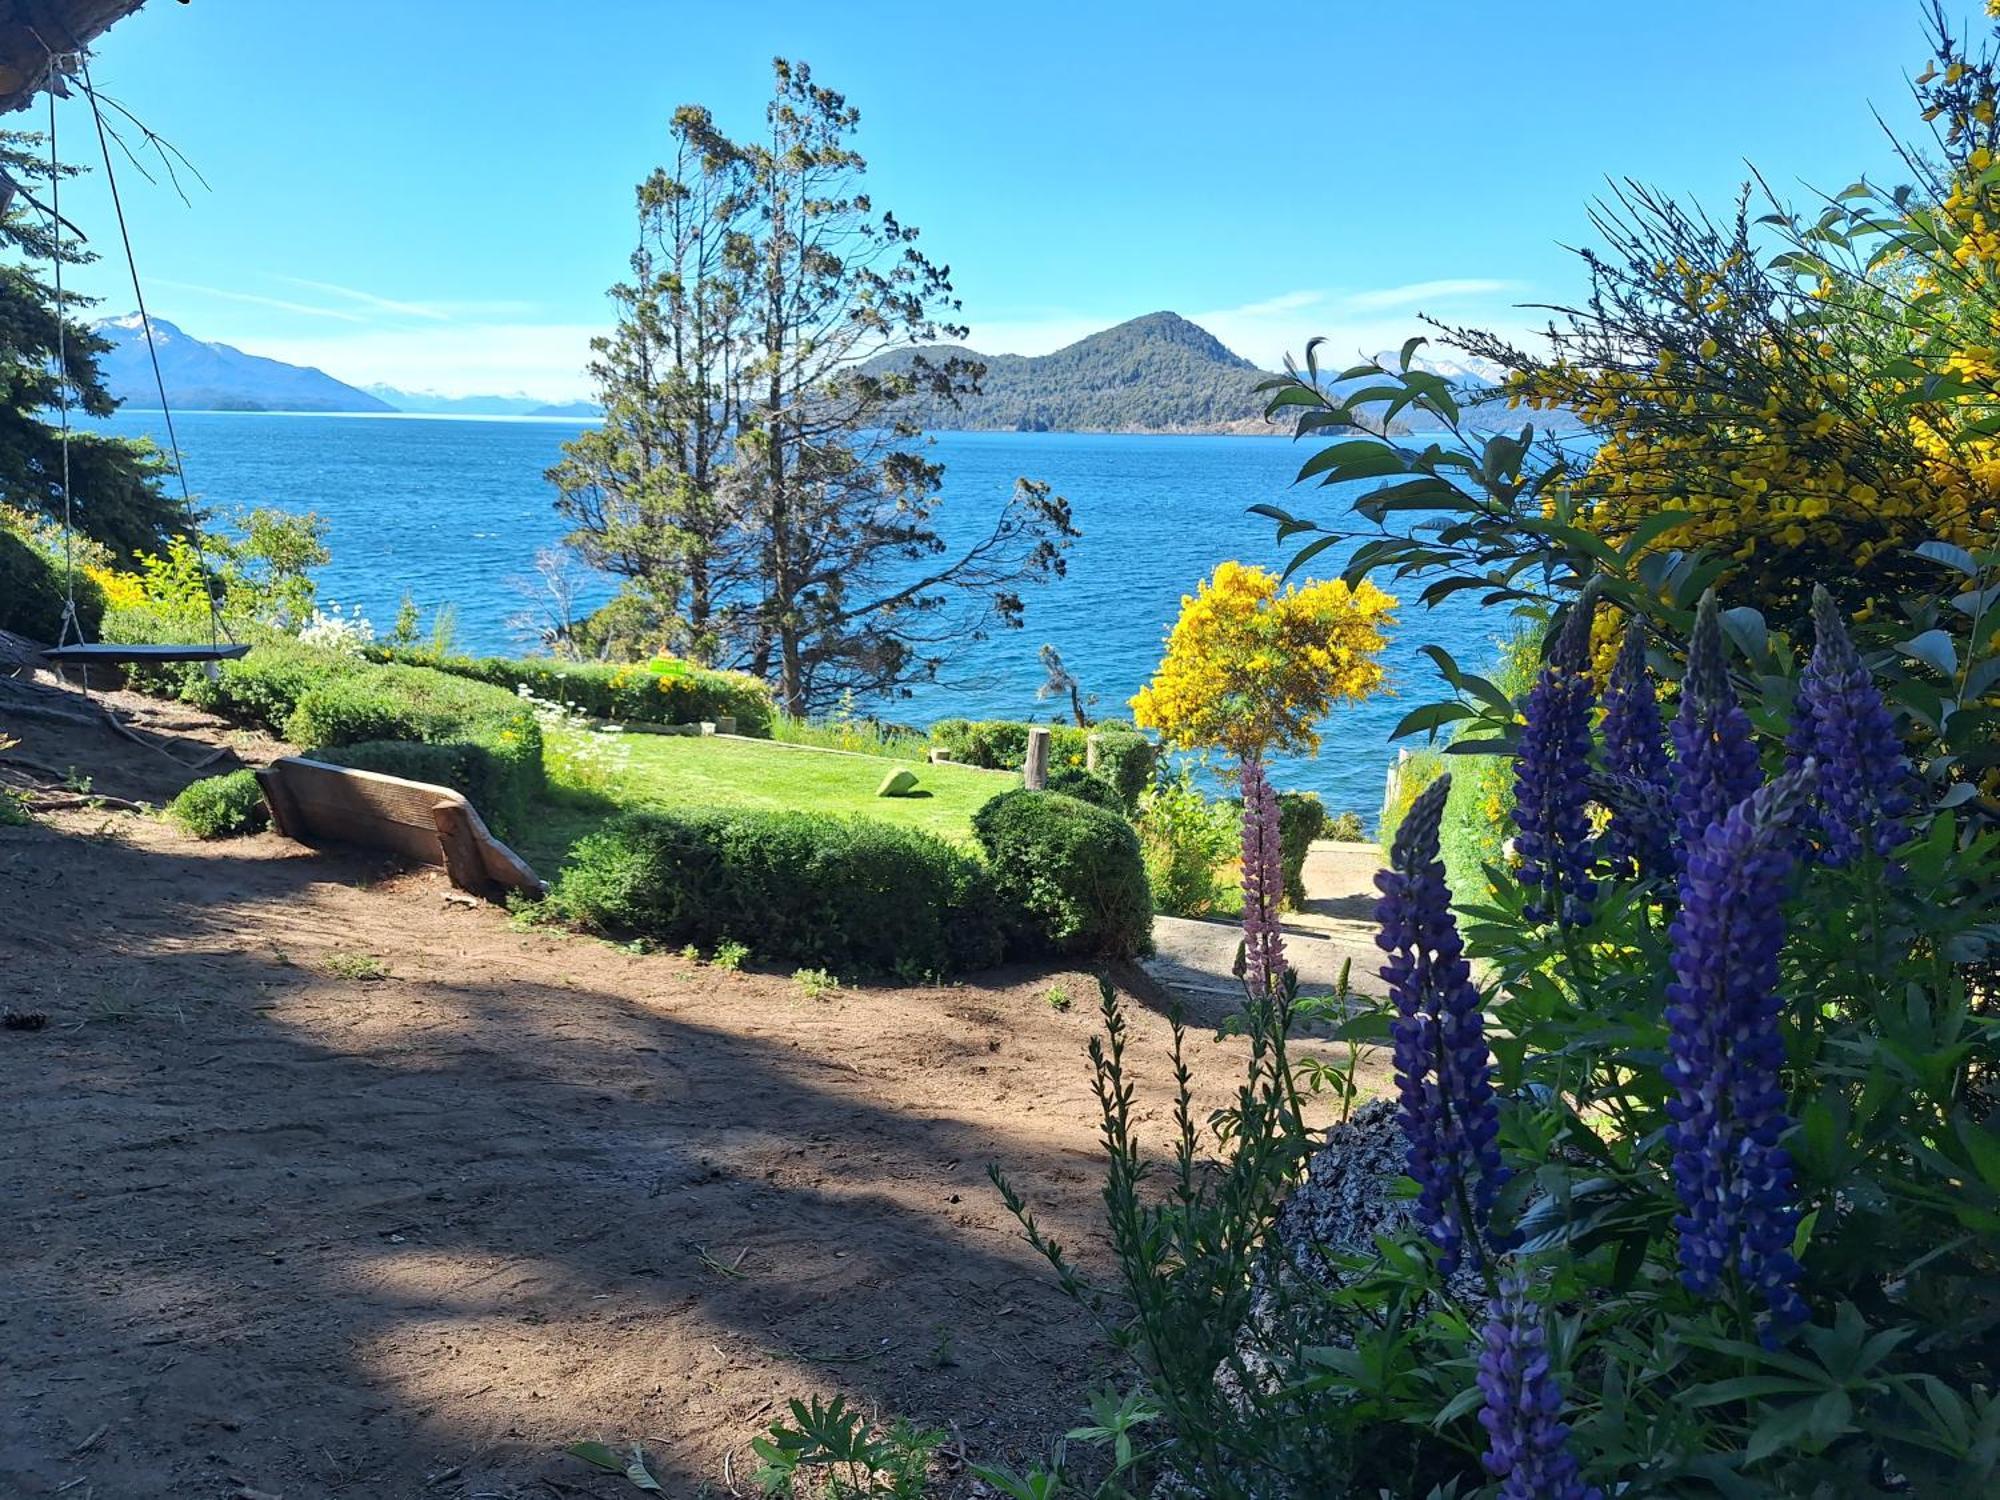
218 627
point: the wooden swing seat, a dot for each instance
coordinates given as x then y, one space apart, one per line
102 651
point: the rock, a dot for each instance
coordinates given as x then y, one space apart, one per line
899 783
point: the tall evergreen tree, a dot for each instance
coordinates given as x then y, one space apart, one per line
646 490
807 509
115 490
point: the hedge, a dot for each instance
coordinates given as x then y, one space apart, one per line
664 691
850 895
1069 876
1301 819
1125 758
428 726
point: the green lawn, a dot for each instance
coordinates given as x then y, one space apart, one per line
681 771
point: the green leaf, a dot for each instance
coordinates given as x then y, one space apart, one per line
599 1455
1950 556
1934 648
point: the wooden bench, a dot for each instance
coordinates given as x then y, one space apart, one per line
314 802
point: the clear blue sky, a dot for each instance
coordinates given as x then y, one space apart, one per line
436 194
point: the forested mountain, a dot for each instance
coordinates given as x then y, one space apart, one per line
1159 373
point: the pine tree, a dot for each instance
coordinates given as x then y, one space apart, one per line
760 488
114 483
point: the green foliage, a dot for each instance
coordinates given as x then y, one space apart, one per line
663 691
1301 819
1186 840
428 726
1346 828
852 1458
815 984
1128 760
1086 786
14 808
1069 876
114 483
1243 1414
31 582
848 894
728 956
220 806
844 729
1002 744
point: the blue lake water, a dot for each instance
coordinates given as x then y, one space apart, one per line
451 511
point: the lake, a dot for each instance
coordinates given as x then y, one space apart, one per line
452 510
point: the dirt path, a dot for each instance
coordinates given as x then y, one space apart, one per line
279 1226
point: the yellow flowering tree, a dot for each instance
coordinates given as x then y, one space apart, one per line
1252 666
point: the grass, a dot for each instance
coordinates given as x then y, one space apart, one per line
682 771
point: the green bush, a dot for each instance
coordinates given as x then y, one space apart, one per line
663 691
31 591
220 807
1301 819
1128 760
846 894
1069 876
1086 786
428 726
1186 840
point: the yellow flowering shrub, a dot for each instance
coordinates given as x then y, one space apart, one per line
1251 666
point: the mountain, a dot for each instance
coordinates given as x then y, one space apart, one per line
433 404
1159 373
201 376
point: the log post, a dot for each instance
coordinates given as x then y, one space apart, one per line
1093 749
1035 772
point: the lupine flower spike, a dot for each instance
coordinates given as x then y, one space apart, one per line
1552 783
1716 759
1444 1072
1841 723
1527 1444
1264 965
1738 1203
1637 841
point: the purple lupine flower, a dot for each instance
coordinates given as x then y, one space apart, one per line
1527 1443
1840 722
1636 841
1738 1204
1551 784
1264 965
1444 1072
1715 758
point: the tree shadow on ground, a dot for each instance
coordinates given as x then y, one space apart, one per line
293 1232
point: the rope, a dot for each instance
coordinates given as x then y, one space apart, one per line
217 627
70 624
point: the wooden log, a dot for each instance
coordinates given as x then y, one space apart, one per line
1035 772
1093 748
462 861
279 802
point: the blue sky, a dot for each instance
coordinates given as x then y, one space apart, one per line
436 194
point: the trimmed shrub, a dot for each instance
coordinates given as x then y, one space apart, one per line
846 894
1086 786
220 807
663 691
1069 876
1187 841
1128 760
428 726
1301 818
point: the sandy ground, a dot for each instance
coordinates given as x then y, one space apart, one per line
319 1181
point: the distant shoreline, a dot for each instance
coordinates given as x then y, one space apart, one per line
1259 429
